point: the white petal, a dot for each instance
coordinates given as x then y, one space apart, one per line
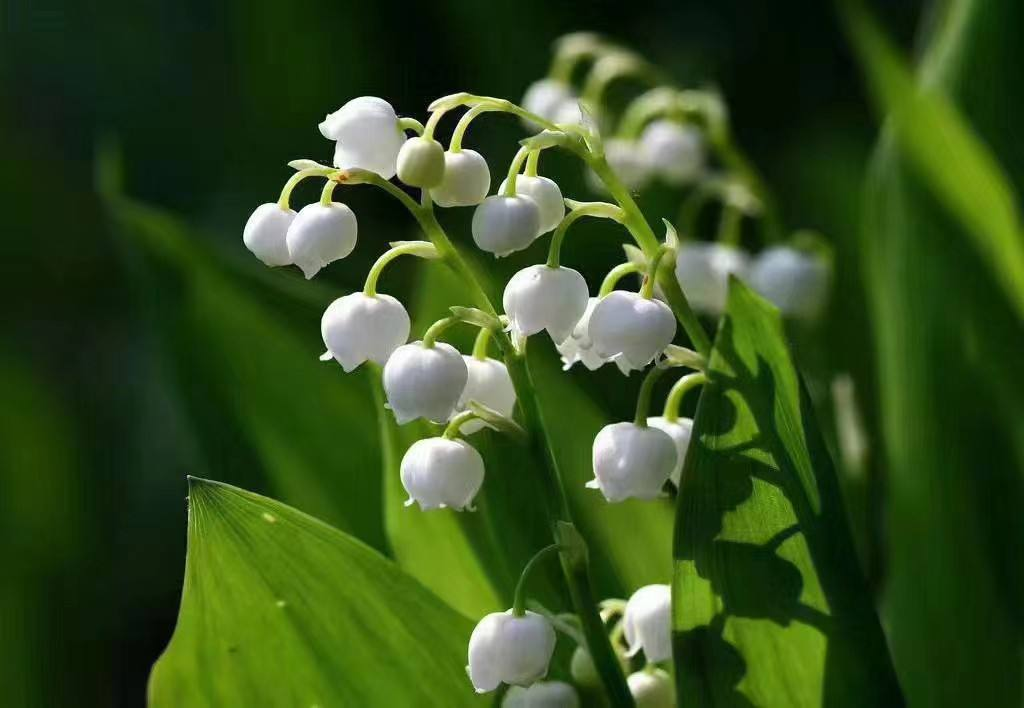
467 179
265 234
503 225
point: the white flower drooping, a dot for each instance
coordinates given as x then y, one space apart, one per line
467 179
503 224
424 382
368 135
680 431
632 328
632 462
266 232
703 271
421 162
579 346
628 163
360 327
672 151
652 688
550 99
546 193
544 298
508 649
321 234
488 383
440 473
796 282
543 694
647 622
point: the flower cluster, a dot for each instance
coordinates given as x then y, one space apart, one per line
670 135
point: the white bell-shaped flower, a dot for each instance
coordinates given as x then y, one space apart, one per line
508 649
703 271
647 622
632 462
543 694
488 383
652 688
540 297
796 282
627 160
547 98
467 179
266 231
673 151
630 327
440 473
680 431
321 234
548 196
358 328
368 135
502 225
424 382
579 347
421 162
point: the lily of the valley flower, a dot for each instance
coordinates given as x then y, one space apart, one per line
508 649
647 622
627 161
368 135
503 224
424 382
543 694
359 327
652 688
680 431
796 282
440 473
541 297
703 271
488 383
421 162
579 346
546 193
672 151
632 462
550 99
266 232
467 179
632 328
321 234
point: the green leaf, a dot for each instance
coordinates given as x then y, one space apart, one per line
770 607
281 609
946 153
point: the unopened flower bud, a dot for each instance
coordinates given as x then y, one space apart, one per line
703 271
652 688
796 282
439 473
421 162
647 622
467 179
368 135
544 298
543 694
488 383
672 151
424 382
508 649
321 234
358 328
502 225
548 196
266 231
632 328
680 431
583 670
632 461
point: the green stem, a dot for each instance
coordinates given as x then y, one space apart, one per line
432 121
411 124
729 225
532 163
678 390
452 430
455 145
643 400
597 209
513 170
483 339
519 598
647 289
434 331
422 249
286 191
615 275
328 192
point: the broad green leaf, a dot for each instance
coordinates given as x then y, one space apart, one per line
280 609
769 605
947 154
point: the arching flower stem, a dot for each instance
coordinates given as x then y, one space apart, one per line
286 191
615 275
643 400
519 598
678 391
601 210
421 249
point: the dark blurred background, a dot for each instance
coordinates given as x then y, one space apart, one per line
206 102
